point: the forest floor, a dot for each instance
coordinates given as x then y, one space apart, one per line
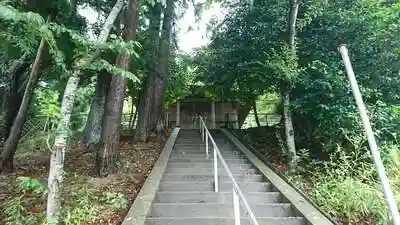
86 199
264 140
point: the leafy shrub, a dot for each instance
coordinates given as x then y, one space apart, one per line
116 200
19 209
82 207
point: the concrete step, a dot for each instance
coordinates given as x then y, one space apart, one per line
208 165
210 169
210 177
201 149
224 221
195 144
203 155
196 186
204 210
215 197
204 160
224 154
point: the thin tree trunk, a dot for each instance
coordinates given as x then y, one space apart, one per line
10 146
289 131
131 113
145 118
135 117
108 156
59 148
255 113
60 141
160 80
93 133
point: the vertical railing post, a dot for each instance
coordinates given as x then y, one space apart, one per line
236 206
371 138
207 155
215 168
204 132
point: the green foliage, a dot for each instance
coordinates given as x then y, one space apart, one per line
283 65
28 184
48 104
104 65
351 199
248 57
17 213
116 200
21 209
181 79
83 208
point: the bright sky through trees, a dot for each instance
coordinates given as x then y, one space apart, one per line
187 38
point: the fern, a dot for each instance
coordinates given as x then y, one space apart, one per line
102 64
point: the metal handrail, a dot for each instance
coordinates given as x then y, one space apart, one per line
380 168
236 191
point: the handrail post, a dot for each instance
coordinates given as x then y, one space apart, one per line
215 169
203 128
200 124
236 206
371 138
237 193
207 155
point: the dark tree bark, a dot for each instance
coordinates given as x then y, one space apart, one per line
143 126
254 104
60 141
10 146
93 133
10 99
158 112
108 155
243 112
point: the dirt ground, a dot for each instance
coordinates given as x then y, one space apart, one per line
136 162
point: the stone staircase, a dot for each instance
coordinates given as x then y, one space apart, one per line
185 193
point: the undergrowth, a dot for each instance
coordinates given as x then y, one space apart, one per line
81 205
347 186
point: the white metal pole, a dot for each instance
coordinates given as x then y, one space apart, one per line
215 169
236 206
207 155
204 131
371 138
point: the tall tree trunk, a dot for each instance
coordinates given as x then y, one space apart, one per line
10 146
60 141
158 111
145 119
108 155
93 133
285 91
143 124
254 104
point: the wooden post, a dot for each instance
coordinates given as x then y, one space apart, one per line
178 114
213 122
